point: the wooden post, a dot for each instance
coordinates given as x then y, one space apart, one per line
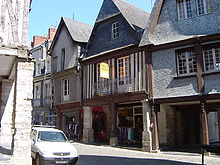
155 139
204 124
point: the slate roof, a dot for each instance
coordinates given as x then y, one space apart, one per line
135 16
80 32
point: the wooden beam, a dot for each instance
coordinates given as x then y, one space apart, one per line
200 66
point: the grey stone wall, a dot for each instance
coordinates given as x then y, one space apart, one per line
169 28
212 83
165 83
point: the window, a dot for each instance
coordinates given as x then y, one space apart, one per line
212 59
48 66
115 30
123 71
184 8
186 62
47 90
37 92
63 58
66 89
204 7
38 69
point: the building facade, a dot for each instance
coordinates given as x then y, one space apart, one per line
116 104
68 45
42 108
182 38
16 68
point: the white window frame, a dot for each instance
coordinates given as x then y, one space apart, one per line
203 7
38 68
123 70
66 89
216 64
48 65
37 92
188 62
186 10
115 30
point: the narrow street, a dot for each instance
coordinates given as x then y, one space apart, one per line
106 155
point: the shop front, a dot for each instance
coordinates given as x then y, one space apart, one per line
72 124
99 123
130 125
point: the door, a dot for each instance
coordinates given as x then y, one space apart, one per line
213 126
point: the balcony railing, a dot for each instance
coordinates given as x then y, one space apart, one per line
107 87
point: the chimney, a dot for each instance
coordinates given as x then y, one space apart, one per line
37 40
51 33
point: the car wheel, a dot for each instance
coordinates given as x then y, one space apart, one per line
38 160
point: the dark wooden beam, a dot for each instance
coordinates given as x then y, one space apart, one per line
200 66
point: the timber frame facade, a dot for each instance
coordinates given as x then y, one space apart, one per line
136 90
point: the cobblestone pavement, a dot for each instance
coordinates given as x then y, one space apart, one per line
106 155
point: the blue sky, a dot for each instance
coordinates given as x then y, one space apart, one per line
46 13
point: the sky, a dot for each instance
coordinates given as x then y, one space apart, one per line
47 13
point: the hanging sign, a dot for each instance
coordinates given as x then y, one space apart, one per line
104 70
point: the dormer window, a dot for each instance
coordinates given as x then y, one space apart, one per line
204 7
184 8
115 30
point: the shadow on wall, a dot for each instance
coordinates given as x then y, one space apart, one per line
98 160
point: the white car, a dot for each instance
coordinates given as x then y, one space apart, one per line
51 146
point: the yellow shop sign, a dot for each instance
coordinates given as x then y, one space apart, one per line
104 70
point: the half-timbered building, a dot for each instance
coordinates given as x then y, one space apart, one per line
115 78
183 42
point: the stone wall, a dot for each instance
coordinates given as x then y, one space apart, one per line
22 118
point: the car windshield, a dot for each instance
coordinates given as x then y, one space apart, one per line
51 136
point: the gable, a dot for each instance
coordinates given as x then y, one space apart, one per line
108 9
131 21
165 26
101 39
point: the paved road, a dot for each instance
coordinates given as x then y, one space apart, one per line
105 155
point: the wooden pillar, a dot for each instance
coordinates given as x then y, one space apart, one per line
204 124
154 127
113 136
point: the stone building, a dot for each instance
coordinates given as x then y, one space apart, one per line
42 108
182 42
16 72
68 45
